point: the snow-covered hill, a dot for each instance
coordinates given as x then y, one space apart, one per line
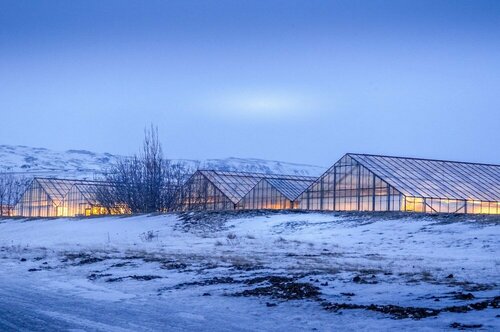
86 164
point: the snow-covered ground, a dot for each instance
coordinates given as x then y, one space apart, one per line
250 271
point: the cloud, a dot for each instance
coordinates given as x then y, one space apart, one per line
259 105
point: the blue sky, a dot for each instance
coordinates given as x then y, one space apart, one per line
299 81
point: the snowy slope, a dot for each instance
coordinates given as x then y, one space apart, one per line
251 271
85 164
44 162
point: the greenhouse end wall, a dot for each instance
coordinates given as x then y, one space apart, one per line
199 193
35 202
349 186
264 196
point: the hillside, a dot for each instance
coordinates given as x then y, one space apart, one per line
247 271
86 164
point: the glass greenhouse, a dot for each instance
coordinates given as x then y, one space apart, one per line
357 182
360 182
220 190
43 198
88 199
50 197
275 193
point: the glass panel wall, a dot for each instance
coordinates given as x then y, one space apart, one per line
264 196
64 198
349 186
445 205
76 203
83 200
35 202
482 207
201 194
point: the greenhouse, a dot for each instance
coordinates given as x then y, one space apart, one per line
50 197
357 182
221 190
275 193
361 182
91 198
43 198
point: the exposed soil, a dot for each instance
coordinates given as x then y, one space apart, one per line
208 282
460 326
464 296
134 277
399 312
82 258
174 266
95 276
279 287
270 279
395 311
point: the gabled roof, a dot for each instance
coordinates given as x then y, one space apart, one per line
291 188
57 189
90 191
235 185
435 178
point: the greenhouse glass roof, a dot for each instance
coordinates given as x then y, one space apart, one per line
291 188
91 190
435 178
58 188
235 185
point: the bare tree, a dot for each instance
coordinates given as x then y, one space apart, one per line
154 171
11 189
146 182
106 197
176 174
195 194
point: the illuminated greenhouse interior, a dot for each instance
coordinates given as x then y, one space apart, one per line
361 182
85 199
357 182
220 190
50 197
275 193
